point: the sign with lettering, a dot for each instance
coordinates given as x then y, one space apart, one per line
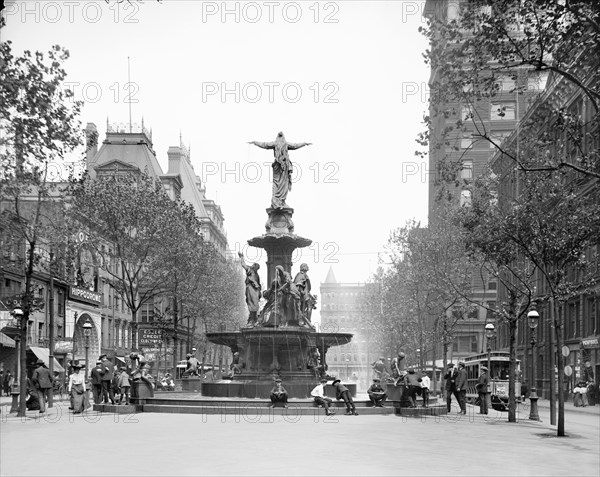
63 347
590 342
149 337
87 296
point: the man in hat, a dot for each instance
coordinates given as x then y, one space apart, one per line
342 392
376 393
482 389
450 378
318 394
107 378
278 394
461 387
43 382
96 376
413 384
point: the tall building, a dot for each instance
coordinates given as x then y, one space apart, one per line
463 147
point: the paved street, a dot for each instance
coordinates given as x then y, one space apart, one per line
163 444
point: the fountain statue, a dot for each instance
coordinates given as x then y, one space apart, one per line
279 341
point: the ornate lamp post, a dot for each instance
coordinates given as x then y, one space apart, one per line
490 333
532 320
87 331
15 391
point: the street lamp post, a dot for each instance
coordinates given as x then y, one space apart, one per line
87 331
532 320
16 391
490 332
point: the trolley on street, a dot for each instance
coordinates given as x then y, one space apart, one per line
498 373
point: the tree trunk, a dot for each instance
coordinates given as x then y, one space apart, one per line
134 331
560 430
26 303
512 402
552 361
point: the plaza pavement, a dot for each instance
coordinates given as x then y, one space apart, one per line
147 444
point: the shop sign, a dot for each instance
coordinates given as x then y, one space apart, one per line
590 342
63 347
149 337
87 296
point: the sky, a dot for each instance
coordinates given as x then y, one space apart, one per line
348 77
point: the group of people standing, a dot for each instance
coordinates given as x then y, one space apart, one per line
108 381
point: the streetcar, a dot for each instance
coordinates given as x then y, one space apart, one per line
498 374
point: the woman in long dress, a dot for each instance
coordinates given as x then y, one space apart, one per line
79 400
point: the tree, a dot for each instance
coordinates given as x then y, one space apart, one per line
39 125
543 235
495 47
421 297
132 224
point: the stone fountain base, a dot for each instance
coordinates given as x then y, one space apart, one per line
262 389
267 353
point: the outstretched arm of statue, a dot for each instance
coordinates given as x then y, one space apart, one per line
297 145
263 145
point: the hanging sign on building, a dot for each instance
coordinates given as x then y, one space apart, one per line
87 296
590 342
149 337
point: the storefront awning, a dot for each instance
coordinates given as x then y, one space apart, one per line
44 355
6 341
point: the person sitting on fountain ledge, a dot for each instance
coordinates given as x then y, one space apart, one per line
318 394
278 394
342 392
376 393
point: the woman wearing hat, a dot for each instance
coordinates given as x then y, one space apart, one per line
79 400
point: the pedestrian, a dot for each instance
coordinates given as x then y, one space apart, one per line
43 382
450 378
482 389
107 378
412 384
123 385
524 391
376 393
425 384
79 399
96 378
342 392
6 383
318 394
115 383
278 394
32 402
461 387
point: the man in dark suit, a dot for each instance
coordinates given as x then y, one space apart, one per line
107 377
461 387
96 375
43 382
482 390
450 377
